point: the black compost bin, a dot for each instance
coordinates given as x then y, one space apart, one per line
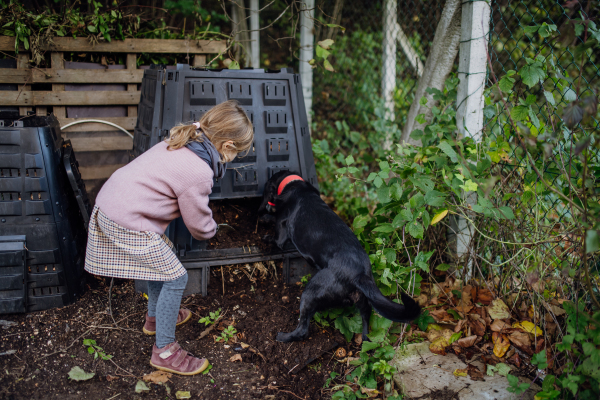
44 212
273 100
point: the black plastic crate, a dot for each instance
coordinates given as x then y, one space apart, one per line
43 201
272 99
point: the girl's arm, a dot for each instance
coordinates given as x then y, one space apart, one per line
197 216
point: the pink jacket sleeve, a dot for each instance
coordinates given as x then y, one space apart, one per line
197 216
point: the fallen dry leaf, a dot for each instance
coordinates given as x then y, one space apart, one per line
467 341
484 296
460 325
474 373
498 310
501 344
441 315
421 300
528 327
157 377
555 309
358 338
465 304
460 372
515 359
111 378
499 326
477 324
438 346
521 341
236 357
369 392
433 334
540 345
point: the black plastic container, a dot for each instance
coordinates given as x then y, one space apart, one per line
274 102
43 215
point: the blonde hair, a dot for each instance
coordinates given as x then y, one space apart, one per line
224 122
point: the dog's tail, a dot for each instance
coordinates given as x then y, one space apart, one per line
405 312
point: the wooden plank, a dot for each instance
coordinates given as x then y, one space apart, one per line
128 123
199 61
41 111
69 44
88 98
102 143
131 66
42 75
99 171
23 64
58 62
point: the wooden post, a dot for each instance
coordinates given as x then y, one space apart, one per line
132 64
307 37
58 62
23 63
472 69
254 35
199 61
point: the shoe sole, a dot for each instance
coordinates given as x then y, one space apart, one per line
198 371
152 333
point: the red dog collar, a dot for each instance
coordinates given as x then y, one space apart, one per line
287 180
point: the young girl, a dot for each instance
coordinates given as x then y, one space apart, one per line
126 231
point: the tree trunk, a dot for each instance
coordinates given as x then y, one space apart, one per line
437 67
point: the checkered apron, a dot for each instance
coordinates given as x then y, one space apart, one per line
113 250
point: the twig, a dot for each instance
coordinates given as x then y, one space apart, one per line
64 350
223 280
129 373
112 281
210 328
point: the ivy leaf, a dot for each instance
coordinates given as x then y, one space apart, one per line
383 194
572 115
534 119
532 74
326 44
321 52
416 230
469 186
77 374
448 150
385 228
506 83
519 113
438 217
549 97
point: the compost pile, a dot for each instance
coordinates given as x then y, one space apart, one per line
39 349
243 227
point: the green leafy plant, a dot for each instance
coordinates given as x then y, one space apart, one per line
96 350
304 280
210 318
226 334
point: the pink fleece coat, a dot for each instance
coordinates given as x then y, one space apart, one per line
157 187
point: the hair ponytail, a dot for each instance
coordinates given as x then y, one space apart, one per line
224 122
181 135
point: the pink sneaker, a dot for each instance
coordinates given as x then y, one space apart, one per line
172 358
150 325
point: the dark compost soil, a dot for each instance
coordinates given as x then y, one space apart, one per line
243 228
49 343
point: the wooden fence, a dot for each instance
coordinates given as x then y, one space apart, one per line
100 148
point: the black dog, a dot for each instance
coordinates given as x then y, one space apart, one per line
326 242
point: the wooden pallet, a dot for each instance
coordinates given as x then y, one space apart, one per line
100 139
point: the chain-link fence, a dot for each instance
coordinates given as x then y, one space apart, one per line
379 58
512 41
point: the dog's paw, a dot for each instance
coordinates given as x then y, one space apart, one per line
283 337
266 219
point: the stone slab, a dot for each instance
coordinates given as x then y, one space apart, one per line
424 375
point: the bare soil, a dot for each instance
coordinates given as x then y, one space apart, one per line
49 343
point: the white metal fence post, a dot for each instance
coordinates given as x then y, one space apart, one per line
388 64
472 70
254 35
307 37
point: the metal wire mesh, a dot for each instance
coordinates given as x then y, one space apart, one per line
510 44
406 30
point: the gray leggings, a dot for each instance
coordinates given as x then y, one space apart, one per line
164 300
